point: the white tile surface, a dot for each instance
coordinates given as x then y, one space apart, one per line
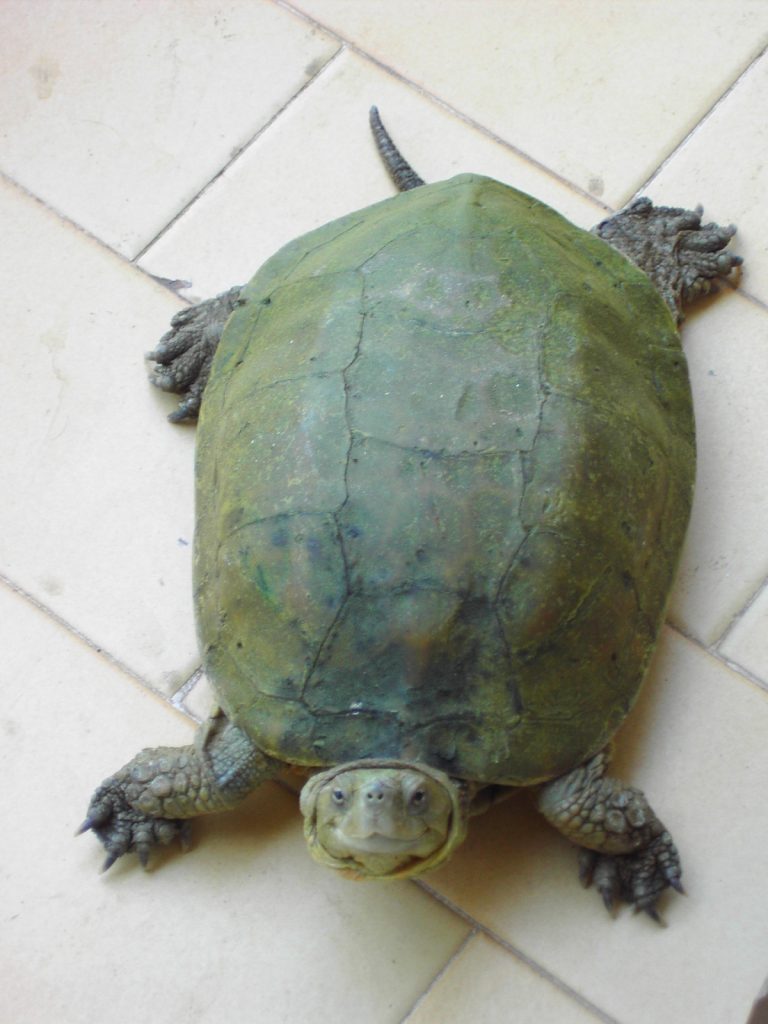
484 984
96 518
725 556
118 113
246 927
599 92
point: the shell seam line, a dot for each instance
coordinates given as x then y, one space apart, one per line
314 375
348 422
310 251
545 391
441 453
337 513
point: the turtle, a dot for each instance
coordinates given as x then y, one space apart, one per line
444 468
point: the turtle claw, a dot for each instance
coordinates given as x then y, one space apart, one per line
98 815
653 913
108 862
123 828
636 878
609 901
600 871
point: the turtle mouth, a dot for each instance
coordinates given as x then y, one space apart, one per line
378 843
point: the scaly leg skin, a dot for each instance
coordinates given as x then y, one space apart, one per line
626 851
683 257
185 353
147 802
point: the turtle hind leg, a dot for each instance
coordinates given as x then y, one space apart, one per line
184 355
149 801
683 257
625 849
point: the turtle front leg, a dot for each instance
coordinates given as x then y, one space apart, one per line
625 849
185 353
147 802
683 257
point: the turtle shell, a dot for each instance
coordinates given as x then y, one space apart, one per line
445 462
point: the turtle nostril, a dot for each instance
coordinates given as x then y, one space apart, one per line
375 792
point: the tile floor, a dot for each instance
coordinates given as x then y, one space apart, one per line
186 140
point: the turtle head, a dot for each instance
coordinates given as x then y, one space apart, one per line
382 819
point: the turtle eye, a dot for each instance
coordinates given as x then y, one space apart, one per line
418 799
339 797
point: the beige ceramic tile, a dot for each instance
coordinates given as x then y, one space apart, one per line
747 642
599 92
723 166
725 556
696 744
117 113
245 928
96 517
486 985
318 162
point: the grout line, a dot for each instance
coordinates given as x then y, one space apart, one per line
444 105
753 298
739 669
734 666
739 615
518 954
164 283
237 154
443 970
61 215
704 118
179 695
51 614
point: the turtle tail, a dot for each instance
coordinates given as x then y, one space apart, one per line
399 169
